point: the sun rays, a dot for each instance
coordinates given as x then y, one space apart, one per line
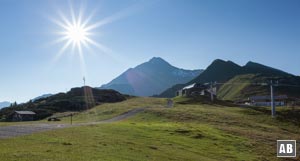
76 30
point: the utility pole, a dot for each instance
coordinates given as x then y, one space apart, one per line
273 105
272 100
211 92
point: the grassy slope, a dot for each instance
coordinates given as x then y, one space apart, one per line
239 87
109 110
232 92
101 112
185 132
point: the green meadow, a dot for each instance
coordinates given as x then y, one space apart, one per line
190 130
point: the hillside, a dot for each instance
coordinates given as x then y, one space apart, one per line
234 89
193 131
223 71
243 86
77 99
150 78
256 68
42 96
219 70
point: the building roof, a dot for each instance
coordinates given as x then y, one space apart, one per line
189 86
25 112
195 85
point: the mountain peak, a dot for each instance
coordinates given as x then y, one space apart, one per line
252 64
150 78
218 70
260 68
218 61
157 60
223 62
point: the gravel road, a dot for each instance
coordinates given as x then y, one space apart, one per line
19 130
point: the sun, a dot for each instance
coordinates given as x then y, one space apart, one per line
76 33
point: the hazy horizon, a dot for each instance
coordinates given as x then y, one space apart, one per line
187 34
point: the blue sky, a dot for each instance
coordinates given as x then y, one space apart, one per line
187 33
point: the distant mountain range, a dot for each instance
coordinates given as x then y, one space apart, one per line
150 78
232 74
7 104
4 104
42 96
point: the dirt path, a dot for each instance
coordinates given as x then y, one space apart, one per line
19 130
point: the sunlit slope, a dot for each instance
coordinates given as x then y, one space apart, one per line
233 90
109 110
244 86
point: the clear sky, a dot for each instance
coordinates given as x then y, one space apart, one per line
189 34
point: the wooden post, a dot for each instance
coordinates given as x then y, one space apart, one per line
71 118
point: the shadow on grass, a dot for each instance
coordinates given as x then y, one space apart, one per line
203 100
283 115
